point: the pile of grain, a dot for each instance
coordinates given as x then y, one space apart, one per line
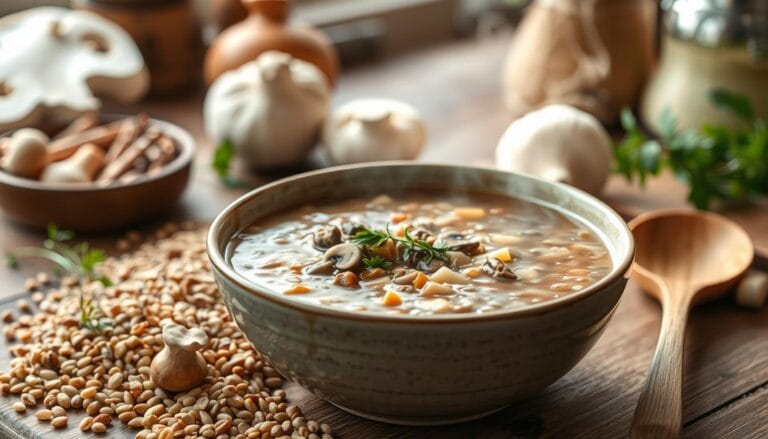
60 368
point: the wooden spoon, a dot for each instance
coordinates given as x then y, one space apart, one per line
681 257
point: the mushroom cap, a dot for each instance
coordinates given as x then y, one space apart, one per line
178 336
346 256
558 143
56 60
373 129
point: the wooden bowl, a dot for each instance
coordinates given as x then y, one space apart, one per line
89 208
419 370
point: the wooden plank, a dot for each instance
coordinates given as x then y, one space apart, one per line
736 420
596 399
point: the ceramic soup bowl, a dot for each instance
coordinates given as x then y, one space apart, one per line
430 369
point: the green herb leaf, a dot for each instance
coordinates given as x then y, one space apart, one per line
628 121
737 104
376 262
222 158
718 163
79 260
667 123
375 239
11 261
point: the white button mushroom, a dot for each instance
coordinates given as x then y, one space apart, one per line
558 143
26 154
366 130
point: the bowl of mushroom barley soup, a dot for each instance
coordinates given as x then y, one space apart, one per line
417 293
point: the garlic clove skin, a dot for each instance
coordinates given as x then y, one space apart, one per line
80 168
366 130
558 143
180 366
26 154
270 109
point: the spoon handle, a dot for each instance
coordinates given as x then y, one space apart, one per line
659 410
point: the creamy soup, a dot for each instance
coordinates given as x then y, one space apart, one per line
422 254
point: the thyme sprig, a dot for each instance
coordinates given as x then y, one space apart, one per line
74 259
376 238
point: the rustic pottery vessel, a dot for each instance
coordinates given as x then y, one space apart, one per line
90 207
428 370
266 28
167 33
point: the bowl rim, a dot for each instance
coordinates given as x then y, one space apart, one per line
220 266
186 155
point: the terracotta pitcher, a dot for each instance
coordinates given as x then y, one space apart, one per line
267 28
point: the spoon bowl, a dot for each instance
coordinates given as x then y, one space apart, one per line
698 251
681 257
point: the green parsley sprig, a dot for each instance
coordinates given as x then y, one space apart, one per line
375 238
718 163
79 260
376 262
222 165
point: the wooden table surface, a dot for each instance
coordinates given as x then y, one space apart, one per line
456 86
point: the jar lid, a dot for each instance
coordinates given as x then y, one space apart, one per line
717 23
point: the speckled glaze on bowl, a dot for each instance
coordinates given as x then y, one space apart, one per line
90 207
419 370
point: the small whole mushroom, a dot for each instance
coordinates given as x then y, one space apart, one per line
558 143
180 366
366 130
80 168
26 155
345 256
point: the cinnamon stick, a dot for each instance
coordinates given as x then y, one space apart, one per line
82 123
101 136
129 131
124 161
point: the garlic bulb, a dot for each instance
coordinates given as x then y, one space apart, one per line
558 143
366 130
270 109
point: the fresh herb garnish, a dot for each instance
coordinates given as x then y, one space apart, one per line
375 238
718 163
222 158
79 260
222 165
376 262
88 318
